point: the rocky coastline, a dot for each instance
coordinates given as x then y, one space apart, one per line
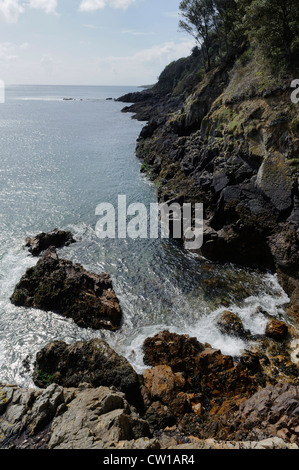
191 396
228 139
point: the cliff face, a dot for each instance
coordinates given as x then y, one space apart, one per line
229 139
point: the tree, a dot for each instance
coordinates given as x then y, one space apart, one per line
274 25
199 20
230 15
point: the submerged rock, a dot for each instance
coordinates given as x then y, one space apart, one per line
43 241
65 288
229 323
92 362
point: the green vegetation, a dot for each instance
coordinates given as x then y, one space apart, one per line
45 377
219 26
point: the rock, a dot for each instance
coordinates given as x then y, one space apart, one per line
42 241
166 386
65 288
229 323
101 418
274 179
171 349
276 330
285 251
45 407
251 360
271 412
191 381
69 418
92 362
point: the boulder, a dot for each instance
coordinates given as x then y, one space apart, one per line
65 288
92 362
166 386
229 323
43 241
274 179
276 330
176 351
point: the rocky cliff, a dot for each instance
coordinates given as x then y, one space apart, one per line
228 139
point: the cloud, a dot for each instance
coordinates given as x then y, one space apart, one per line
49 6
10 11
7 52
143 66
137 33
90 26
93 5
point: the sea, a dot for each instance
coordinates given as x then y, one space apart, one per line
63 151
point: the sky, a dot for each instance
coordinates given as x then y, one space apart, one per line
89 42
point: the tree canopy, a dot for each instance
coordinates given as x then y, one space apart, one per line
273 25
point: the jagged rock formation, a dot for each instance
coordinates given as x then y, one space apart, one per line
67 418
92 362
43 241
60 286
193 386
192 397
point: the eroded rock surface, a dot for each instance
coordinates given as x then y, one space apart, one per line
65 288
93 362
43 241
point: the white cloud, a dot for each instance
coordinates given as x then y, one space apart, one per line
93 5
91 26
137 33
10 11
7 52
49 6
143 66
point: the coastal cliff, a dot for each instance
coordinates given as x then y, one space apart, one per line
228 138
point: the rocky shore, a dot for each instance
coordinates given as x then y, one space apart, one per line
228 139
88 397
191 396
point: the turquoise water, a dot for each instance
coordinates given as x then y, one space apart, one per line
59 159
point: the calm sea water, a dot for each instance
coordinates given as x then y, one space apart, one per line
58 160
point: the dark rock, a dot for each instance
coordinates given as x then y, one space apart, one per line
171 349
251 360
42 241
229 323
65 288
276 330
236 153
92 362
